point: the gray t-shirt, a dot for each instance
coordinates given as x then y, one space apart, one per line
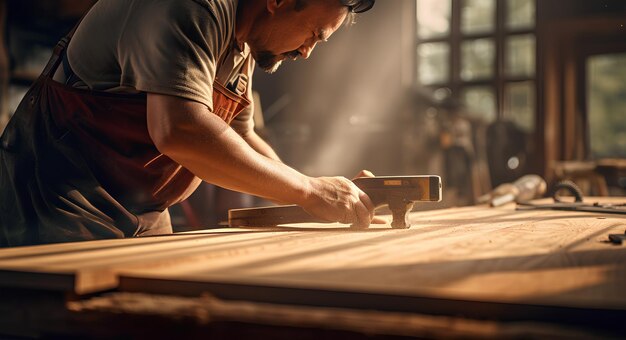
173 47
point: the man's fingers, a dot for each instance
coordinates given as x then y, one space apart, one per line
362 216
363 173
380 220
369 205
364 211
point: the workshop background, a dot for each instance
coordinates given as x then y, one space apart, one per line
480 92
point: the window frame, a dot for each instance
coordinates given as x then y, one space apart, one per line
500 36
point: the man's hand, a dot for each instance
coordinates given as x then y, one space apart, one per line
337 199
369 174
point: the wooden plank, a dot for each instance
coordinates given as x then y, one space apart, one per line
553 268
474 254
87 267
507 261
205 313
532 257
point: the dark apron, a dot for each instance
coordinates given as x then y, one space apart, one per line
80 165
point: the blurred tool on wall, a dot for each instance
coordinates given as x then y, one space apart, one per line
523 189
465 172
507 151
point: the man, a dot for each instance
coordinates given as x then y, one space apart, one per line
149 98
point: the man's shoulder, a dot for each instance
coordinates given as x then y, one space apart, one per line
213 19
223 10
218 17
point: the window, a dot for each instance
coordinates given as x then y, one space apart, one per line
606 105
477 16
433 18
484 51
434 68
480 102
520 56
519 99
477 59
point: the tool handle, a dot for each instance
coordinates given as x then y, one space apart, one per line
286 214
399 192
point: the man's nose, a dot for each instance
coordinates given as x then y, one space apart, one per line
306 50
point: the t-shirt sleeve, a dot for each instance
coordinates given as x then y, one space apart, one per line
171 49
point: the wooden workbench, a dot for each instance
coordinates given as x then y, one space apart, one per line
470 270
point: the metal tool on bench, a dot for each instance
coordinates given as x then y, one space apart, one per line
523 189
577 205
397 192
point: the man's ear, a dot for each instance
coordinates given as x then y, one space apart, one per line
274 5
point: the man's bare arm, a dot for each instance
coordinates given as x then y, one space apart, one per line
194 137
260 145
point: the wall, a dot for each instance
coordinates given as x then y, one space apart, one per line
560 9
338 111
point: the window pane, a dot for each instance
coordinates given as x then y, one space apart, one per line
520 14
433 18
433 63
480 102
520 56
519 104
607 105
477 60
477 16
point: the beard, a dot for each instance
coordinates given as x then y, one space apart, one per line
270 62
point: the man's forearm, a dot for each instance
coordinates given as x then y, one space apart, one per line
191 135
200 141
260 145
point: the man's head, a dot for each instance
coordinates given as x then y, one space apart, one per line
288 29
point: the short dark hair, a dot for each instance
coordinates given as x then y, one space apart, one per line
354 7
358 6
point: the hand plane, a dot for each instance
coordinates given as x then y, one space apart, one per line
399 193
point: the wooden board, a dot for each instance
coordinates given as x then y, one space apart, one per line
200 316
485 263
87 267
477 260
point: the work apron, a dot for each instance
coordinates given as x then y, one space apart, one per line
80 165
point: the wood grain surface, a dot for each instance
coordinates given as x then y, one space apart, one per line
475 254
